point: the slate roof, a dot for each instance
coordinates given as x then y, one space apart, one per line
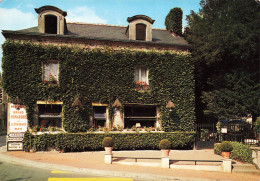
107 32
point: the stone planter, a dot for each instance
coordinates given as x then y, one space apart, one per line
225 155
108 150
165 153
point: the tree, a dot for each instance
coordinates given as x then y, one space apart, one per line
173 21
225 46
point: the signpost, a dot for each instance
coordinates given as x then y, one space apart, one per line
17 118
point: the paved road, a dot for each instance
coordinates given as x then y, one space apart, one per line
13 172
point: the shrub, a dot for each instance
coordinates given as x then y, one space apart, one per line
226 146
107 142
165 144
69 142
257 126
240 152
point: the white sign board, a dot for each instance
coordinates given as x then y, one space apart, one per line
14 146
223 130
18 118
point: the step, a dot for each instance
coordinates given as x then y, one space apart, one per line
251 172
244 167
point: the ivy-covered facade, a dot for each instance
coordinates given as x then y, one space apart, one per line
74 80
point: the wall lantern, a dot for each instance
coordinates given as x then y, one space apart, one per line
77 104
17 101
117 104
170 105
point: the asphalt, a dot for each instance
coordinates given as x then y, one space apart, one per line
92 163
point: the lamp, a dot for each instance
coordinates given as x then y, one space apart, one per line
117 103
77 103
170 105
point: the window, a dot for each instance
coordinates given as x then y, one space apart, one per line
50 115
50 24
140 32
51 71
140 114
141 78
100 116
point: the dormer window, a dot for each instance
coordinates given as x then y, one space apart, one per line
50 24
51 20
140 32
140 28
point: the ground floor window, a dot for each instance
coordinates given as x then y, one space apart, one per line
140 116
100 116
50 115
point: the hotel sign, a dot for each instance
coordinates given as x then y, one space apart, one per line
18 118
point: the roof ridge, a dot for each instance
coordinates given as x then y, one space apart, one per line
103 24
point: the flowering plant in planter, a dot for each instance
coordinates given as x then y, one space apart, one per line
53 78
165 146
225 148
142 85
108 143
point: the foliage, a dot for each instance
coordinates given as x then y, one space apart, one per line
70 142
257 126
173 21
224 37
100 75
107 142
220 136
165 144
225 146
240 152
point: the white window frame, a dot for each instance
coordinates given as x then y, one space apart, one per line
140 68
55 73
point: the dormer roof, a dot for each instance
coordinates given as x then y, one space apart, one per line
50 8
136 17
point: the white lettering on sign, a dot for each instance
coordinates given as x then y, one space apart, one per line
18 118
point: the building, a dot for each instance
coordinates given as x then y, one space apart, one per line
76 75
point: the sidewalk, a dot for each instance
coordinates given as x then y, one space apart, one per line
93 163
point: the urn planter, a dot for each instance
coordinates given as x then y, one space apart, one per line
108 150
225 155
165 153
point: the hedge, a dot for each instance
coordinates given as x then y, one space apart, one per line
240 152
71 142
100 75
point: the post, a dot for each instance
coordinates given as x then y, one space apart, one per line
227 165
108 158
165 162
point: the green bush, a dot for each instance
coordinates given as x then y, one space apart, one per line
70 142
257 126
240 152
225 146
107 142
165 144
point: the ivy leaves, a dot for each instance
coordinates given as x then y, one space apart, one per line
100 75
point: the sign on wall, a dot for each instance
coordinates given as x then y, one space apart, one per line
18 118
17 121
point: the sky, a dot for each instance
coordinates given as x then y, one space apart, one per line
20 14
